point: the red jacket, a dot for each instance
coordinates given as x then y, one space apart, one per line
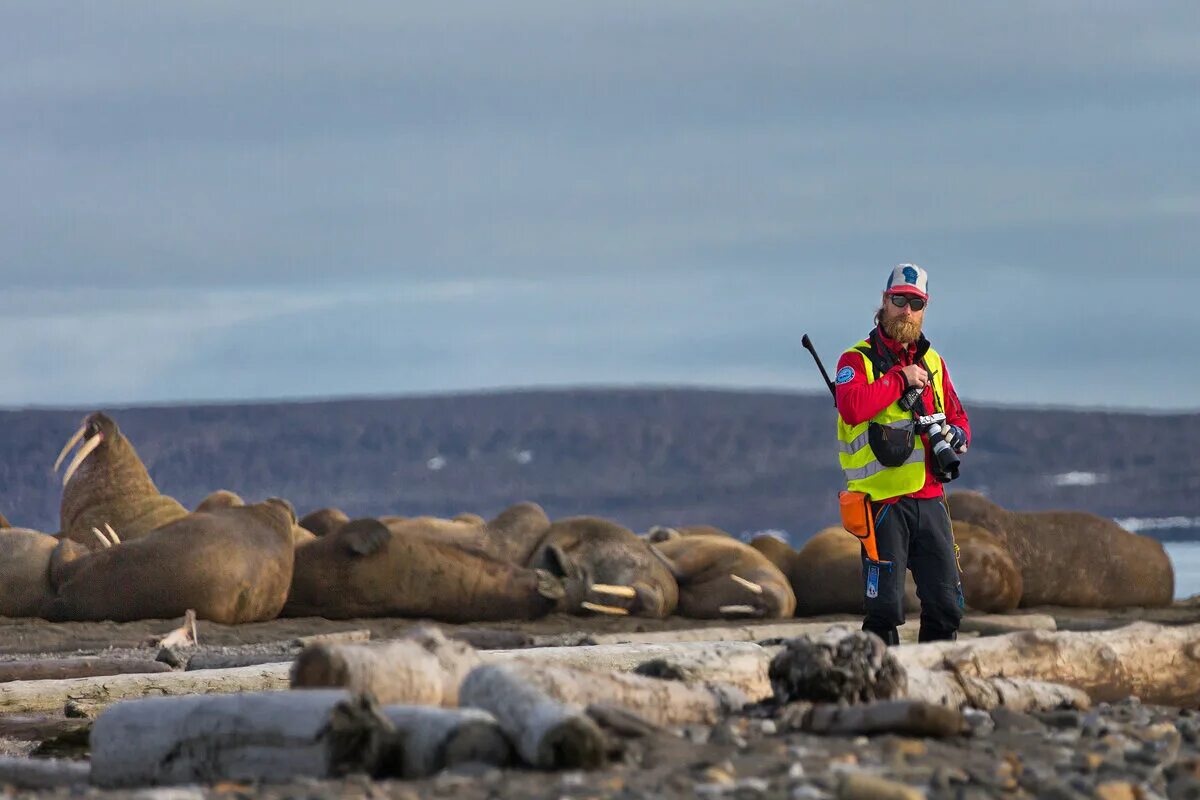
859 401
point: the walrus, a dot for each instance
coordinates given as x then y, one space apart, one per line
827 577
625 574
230 564
991 581
1073 558
826 574
719 576
364 569
25 587
223 498
514 533
106 483
665 532
324 521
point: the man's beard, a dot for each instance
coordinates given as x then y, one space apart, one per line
904 330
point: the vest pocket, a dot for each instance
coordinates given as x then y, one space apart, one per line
892 444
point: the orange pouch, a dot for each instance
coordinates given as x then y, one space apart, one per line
858 519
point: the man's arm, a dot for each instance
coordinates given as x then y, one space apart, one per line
955 413
858 400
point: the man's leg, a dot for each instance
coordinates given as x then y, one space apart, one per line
935 571
883 584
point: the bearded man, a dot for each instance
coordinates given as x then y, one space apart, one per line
890 467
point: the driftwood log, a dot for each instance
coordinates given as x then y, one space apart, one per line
41 773
1158 664
83 667
901 717
265 736
741 665
658 701
424 668
19 697
429 739
546 733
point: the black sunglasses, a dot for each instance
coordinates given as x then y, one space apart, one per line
902 300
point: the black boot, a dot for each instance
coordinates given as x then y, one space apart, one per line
890 636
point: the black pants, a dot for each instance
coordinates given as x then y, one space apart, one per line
916 535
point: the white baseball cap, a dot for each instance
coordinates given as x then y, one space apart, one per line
908 279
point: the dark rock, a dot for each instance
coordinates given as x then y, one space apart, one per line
852 667
1007 720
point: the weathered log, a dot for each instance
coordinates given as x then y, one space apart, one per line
902 717
424 668
953 690
431 739
264 736
17 697
546 733
742 665
82 667
1159 664
203 661
658 701
39 728
42 773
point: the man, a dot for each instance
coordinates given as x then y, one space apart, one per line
896 470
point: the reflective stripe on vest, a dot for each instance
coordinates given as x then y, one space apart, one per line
863 471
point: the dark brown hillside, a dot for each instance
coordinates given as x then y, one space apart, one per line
743 461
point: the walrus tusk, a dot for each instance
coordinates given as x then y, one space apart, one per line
74 440
85 451
103 539
751 585
112 534
738 610
615 591
599 609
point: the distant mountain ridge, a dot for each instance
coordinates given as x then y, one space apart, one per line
743 461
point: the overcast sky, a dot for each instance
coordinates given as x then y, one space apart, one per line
295 199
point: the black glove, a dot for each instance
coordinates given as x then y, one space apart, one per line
956 437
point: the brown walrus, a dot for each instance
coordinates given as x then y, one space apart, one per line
665 532
719 576
1072 558
827 577
231 565
106 483
364 569
223 498
25 587
991 581
324 521
624 573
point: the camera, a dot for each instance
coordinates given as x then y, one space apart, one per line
931 425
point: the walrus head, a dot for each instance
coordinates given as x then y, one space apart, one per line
98 433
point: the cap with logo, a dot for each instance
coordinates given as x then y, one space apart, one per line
908 279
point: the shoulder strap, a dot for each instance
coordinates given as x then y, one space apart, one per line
875 353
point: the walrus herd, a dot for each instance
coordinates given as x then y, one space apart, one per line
126 551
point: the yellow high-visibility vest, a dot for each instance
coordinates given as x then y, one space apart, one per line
862 469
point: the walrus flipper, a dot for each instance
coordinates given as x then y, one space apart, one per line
363 537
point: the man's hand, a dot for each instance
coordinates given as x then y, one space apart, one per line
916 376
956 437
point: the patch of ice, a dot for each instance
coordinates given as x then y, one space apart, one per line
1078 479
1136 524
436 463
523 456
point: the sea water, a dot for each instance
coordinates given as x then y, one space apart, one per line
1185 557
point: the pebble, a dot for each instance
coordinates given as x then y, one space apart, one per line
861 786
808 793
979 723
172 793
726 733
1117 790
795 771
1006 719
768 727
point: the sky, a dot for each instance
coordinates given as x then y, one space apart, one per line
231 201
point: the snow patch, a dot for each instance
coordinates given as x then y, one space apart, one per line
436 463
1136 524
1078 479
